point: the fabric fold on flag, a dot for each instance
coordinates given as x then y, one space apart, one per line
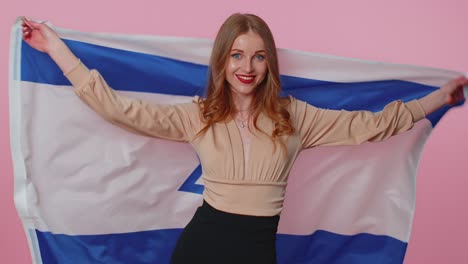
89 192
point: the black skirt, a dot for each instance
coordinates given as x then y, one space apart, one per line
213 236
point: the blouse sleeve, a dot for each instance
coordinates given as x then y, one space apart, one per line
180 122
324 127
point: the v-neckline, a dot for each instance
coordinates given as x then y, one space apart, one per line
240 142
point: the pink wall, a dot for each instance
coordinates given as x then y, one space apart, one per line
423 32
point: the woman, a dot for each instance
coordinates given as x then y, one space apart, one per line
246 136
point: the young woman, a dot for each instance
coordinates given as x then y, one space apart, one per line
246 136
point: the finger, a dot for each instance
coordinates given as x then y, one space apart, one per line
27 22
461 94
26 29
27 36
457 95
33 25
37 25
456 98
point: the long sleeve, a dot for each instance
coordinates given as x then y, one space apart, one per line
323 127
180 122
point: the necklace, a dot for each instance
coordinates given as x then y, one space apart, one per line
242 122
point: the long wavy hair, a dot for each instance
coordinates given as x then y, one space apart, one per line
218 105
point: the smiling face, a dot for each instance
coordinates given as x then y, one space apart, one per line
246 66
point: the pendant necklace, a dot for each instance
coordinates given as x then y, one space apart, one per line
242 122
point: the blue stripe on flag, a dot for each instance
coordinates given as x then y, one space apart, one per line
156 247
123 70
140 72
322 246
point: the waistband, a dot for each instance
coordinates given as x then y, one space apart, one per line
207 213
245 198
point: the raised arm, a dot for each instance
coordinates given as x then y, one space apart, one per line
174 122
323 127
44 39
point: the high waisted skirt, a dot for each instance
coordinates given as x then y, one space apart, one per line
214 236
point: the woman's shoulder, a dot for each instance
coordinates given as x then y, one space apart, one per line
298 108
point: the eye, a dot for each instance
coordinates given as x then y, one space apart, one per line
236 55
260 57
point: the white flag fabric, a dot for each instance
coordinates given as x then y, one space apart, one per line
89 192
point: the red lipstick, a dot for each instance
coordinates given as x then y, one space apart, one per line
246 79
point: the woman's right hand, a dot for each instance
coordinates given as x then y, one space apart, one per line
42 38
39 36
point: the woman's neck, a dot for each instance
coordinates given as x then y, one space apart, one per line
242 104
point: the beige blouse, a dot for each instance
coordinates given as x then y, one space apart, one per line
230 185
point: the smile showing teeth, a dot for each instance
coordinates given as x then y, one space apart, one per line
246 79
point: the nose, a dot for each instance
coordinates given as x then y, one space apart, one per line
247 65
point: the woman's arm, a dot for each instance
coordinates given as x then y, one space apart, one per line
42 38
178 122
323 127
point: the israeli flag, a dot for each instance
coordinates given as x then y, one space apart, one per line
89 192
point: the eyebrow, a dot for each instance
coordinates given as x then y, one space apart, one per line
239 50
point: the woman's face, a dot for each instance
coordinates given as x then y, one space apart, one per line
246 67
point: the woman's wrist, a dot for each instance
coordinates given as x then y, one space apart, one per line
433 101
63 56
56 47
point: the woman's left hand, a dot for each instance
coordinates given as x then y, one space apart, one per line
454 90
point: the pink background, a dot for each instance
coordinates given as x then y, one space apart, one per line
423 32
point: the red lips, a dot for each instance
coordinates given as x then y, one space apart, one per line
246 79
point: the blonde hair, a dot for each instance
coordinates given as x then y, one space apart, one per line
218 105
